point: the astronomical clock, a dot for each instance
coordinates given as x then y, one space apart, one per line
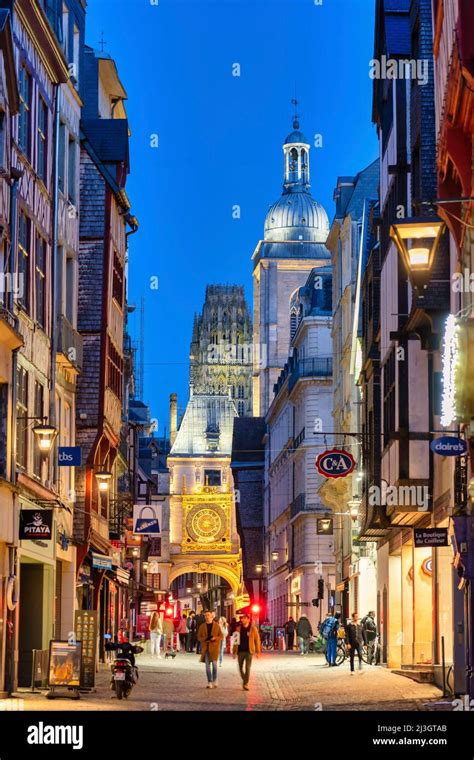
206 518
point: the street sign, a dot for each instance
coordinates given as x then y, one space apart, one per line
324 526
335 463
449 446
147 519
69 456
424 537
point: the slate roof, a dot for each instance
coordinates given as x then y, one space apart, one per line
365 186
109 138
397 34
209 418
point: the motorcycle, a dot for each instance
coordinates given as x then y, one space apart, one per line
124 671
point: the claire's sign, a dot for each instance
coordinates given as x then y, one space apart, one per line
449 446
335 463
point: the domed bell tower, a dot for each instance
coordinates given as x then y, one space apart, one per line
296 153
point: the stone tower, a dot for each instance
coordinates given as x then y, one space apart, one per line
296 229
221 354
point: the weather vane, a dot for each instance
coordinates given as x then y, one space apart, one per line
295 102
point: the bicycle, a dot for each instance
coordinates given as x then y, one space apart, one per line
267 641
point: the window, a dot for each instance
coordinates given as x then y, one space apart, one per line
24 85
293 324
117 281
65 29
71 176
42 136
24 261
240 391
38 413
21 414
40 281
212 477
62 157
75 53
70 279
389 373
241 408
114 371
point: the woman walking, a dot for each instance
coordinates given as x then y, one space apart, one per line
225 632
182 631
156 634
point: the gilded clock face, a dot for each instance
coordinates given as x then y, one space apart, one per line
206 524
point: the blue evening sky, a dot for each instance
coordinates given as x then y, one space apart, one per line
219 141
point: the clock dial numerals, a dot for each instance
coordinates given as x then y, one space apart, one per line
206 524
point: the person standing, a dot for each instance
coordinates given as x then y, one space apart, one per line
156 634
290 628
370 634
199 622
247 644
329 631
225 632
304 633
191 631
355 640
210 637
168 635
182 631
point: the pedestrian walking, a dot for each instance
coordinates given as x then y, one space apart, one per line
304 633
225 632
233 625
168 635
210 637
246 645
191 631
355 640
370 634
199 621
290 628
156 634
329 629
182 631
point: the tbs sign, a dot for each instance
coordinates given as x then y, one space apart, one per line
335 463
69 456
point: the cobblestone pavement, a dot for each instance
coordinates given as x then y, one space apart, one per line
278 682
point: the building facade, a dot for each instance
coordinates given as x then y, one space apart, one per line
221 353
299 558
349 241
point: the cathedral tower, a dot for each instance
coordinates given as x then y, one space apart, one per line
221 354
296 229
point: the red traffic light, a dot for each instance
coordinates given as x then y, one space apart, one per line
169 610
255 608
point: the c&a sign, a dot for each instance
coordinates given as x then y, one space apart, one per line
335 463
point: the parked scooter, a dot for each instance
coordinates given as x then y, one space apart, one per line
124 670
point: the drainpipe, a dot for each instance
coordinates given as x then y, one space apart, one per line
54 256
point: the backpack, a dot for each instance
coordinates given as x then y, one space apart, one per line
328 627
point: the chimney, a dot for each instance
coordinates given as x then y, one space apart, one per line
173 417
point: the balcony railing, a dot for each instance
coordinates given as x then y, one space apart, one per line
319 367
70 342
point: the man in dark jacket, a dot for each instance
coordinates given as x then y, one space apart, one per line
191 632
355 640
200 619
304 633
290 628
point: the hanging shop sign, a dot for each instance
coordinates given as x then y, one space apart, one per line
36 523
147 519
335 463
424 537
85 629
101 561
69 456
324 526
64 667
449 446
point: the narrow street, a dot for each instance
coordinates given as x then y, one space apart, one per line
278 682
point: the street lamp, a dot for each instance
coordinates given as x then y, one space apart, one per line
354 506
103 479
45 435
417 239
